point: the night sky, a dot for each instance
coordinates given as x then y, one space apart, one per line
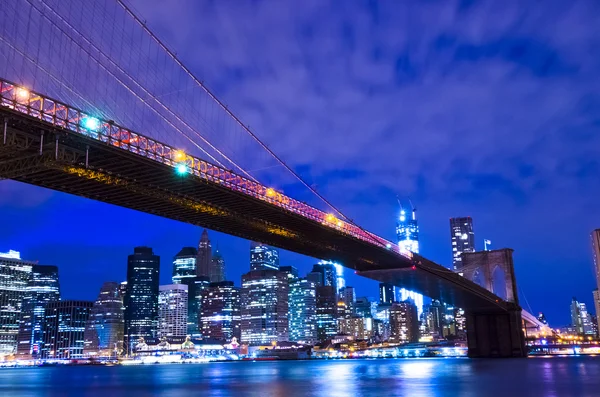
481 109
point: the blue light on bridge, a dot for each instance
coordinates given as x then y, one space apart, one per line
181 169
91 123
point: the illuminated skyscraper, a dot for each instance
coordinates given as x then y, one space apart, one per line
172 310
326 312
15 276
43 288
141 299
204 256
217 268
303 311
407 231
263 257
264 298
387 293
64 329
404 324
327 273
463 239
184 272
348 295
595 237
221 312
581 319
105 327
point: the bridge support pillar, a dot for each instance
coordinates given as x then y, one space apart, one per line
491 335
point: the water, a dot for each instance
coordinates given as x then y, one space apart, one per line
548 377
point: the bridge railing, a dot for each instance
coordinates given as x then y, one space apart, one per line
70 118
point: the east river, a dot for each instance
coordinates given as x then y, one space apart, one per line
547 377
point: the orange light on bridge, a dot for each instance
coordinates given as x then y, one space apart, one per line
179 155
270 192
22 93
330 218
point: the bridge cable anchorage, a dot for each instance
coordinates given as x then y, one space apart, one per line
229 112
137 84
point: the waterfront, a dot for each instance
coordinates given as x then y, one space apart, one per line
573 376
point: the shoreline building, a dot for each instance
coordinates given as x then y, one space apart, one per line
185 272
595 237
172 310
407 232
64 329
15 277
221 312
141 298
581 319
462 239
105 327
404 324
303 311
43 288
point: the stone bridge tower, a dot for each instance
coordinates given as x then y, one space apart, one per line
486 268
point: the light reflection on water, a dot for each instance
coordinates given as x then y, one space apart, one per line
573 376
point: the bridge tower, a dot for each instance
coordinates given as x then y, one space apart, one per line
492 333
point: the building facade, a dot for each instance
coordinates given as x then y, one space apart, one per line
407 231
64 329
221 312
358 327
581 320
15 278
595 239
43 288
263 257
404 323
172 310
204 256
105 328
326 312
185 272
217 270
387 293
327 273
141 298
264 298
303 311
462 238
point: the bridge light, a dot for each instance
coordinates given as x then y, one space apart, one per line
414 267
91 123
270 192
181 169
179 155
340 223
330 218
388 246
22 93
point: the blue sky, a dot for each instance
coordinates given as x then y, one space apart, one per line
471 108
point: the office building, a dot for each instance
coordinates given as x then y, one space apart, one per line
404 324
43 288
64 329
196 290
105 328
327 273
185 272
263 257
303 311
172 310
221 312
387 293
204 260
217 269
407 231
595 237
433 320
363 307
348 296
326 312
581 319
412 296
463 239
141 298
358 327
264 297
15 276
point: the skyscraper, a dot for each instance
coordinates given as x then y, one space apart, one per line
104 330
348 295
581 319
64 329
463 239
141 299
264 298
404 324
263 257
172 310
327 273
407 230
303 311
15 276
185 272
387 293
221 312
43 288
326 312
217 269
595 237
204 256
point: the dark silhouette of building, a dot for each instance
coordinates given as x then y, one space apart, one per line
387 293
204 256
263 257
64 329
217 269
105 328
326 312
43 288
221 312
141 300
